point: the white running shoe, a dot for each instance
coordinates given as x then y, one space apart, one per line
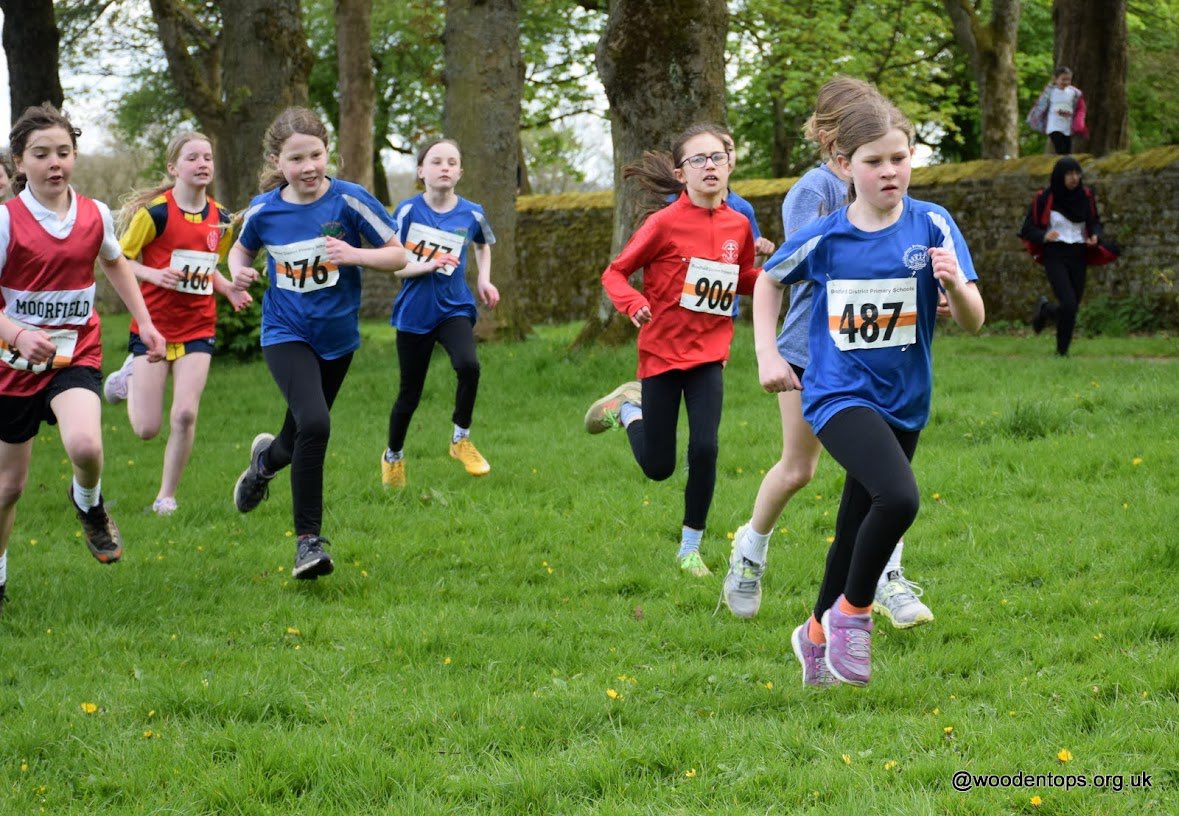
115 387
742 587
899 600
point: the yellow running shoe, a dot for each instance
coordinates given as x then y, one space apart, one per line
464 450
392 473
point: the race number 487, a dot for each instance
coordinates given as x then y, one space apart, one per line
868 314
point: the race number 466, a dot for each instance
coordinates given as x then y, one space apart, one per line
196 271
304 266
869 314
709 287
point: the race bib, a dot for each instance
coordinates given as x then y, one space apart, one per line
64 341
197 270
304 266
709 287
426 242
871 314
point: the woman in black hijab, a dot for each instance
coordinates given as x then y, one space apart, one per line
1064 219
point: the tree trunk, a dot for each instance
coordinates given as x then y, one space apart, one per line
662 65
991 49
483 89
236 81
353 46
1091 40
31 47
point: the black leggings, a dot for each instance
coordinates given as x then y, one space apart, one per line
1064 264
1062 143
879 502
653 438
302 442
457 336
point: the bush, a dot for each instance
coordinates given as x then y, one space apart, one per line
239 334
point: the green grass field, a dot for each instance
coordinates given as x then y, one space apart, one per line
523 643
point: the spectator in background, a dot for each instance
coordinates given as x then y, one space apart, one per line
1060 112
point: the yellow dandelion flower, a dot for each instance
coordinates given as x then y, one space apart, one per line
646 502
770 685
740 470
33 542
1064 755
24 766
364 573
612 694
936 711
846 758
830 539
151 713
148 734
446 661
690 773
937 496
1003 602
1011 713
1098 636
89 708
289 533
1125 505
949 729
888 766
1036 801
730 535
549 570
1136 461
292 630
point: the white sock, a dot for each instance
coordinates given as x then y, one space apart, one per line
689 541
394 456
754 545
894 563
87 497
4 568
460 433
628 413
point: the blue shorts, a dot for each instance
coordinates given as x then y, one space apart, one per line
202 345
21 417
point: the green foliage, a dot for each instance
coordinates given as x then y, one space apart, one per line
239 334
1153 31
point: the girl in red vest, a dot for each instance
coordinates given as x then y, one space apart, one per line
50 340
175 235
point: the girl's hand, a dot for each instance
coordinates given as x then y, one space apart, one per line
488 294
156 345
166 278
35 346
945 268
342 253
238 299
641 316
943 305
443 260
775 374
1051 235
243 277
1091 240
763 246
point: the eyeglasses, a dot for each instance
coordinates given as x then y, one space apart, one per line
719 159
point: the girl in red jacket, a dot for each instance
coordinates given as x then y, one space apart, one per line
696 254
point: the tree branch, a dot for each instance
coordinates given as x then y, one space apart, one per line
196 86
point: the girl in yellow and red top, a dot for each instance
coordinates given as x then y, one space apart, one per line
50 339
175 235
696 254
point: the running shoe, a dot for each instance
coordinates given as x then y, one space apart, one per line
393 473
812 656
102 534
899 600
115 386
465 451
3 587
849 645
742 587
1040 315
604 414
694 565
252 486
164 507
311 559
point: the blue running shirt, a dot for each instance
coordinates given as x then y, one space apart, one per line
313 301
874 307
426 300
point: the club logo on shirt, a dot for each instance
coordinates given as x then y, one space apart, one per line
212 239
916 257
729 251
333 229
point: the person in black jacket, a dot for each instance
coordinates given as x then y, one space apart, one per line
1063 218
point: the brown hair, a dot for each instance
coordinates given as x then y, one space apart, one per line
655 171
834 99
35 118
144 196
866 120
291 121
430 145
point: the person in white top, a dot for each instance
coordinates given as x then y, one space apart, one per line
1063 99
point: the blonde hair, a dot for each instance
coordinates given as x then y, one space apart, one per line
291 121
136 199
835 98
37 117
655 171
866 120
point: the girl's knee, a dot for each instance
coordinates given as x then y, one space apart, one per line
146 429
703 453
903 504
317 428
183 419
83 449
12 486
793 475
467 369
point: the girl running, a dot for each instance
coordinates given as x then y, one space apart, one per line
174 236
822 190
878 264
50 338
435 305
311 226
696 254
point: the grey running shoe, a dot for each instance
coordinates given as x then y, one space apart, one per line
604 413
812 657
311 559
742 587
252 487
899 600
849 645
115 386
102 534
